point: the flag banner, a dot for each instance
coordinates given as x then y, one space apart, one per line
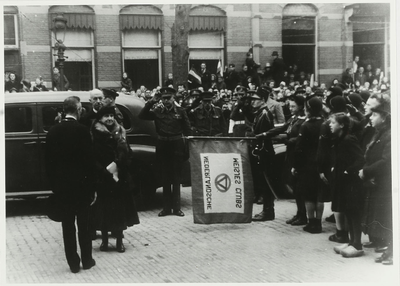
219 68
222 184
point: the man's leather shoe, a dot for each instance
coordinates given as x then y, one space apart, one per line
104 246
75 269
299 221
289 221
164 213
89 265
381 258
179 213
264 216
120 247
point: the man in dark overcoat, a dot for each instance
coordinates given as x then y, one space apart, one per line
70 169
277 69
172 123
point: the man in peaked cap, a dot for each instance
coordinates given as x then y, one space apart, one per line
172 123
207 119
109 100
263 152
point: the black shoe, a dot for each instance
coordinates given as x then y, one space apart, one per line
164 213
331 218
339 238
75 269
104 246
313 226
264 216
300 221
89 265
120 247
290 221
178 213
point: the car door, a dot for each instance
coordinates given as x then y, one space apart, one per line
22 148
48 115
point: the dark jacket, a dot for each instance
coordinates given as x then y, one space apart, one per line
307 143
231 79
9 85
277 70
305 159
205 79
57 82
115 208
208 123
377 220
169 122
126 83
70 161
347 160
263 122
292 129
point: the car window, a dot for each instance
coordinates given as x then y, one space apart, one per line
127 120
18 119
51 116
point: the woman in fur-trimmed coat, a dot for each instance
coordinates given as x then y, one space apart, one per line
114 209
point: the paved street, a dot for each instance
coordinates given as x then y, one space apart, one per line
175 250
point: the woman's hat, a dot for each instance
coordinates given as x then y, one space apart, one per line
337 104
355 99
314 105
365 95
105 110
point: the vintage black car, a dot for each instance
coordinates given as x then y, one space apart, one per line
28 118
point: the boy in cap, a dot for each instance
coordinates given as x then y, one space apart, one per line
172 123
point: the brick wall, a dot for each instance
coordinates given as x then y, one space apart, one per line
239 31
333 53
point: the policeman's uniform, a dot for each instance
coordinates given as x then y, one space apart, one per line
207 121
264 154
171 123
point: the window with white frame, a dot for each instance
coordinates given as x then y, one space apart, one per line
10 31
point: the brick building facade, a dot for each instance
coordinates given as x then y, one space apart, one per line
105 40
